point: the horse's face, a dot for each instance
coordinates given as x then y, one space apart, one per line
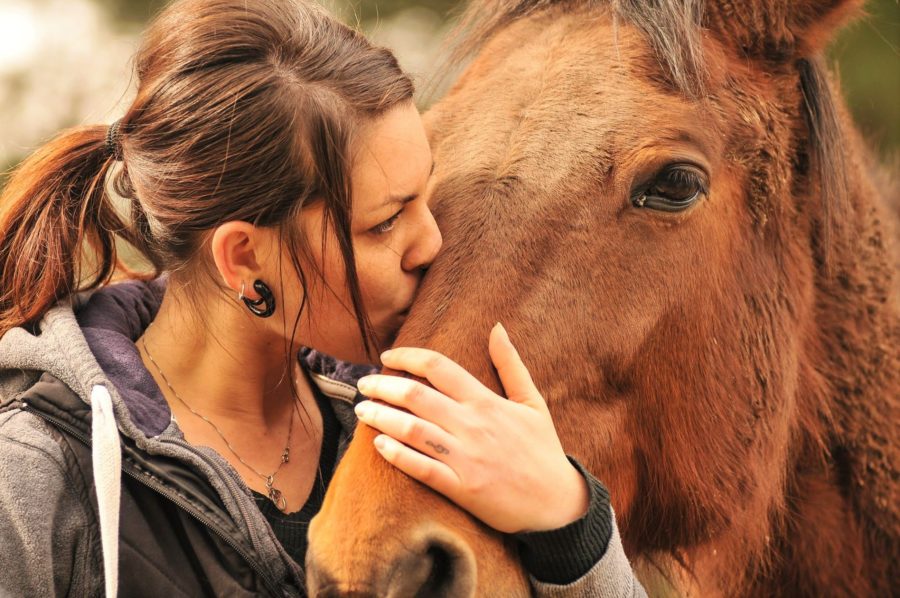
607 220
605 217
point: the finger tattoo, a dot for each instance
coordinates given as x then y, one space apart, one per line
438 448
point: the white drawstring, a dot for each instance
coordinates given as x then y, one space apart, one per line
106 456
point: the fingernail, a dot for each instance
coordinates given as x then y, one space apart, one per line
386 355
365 384
363 410
380 442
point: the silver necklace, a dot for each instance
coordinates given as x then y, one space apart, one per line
274 494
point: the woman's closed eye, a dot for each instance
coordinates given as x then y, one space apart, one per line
388 225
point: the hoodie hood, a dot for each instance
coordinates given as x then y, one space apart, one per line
57 346
88 341
111 320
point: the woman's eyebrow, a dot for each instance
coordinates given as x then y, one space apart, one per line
405 199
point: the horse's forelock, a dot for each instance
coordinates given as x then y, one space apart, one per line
673 28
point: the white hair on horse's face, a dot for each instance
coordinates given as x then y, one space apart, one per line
672 27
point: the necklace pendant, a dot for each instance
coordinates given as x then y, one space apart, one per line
277 497
286 455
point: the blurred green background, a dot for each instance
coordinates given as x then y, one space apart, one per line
64 62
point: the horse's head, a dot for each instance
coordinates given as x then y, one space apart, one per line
637 191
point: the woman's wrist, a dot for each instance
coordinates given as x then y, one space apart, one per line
571 500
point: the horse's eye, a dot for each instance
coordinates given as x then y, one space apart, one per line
673 189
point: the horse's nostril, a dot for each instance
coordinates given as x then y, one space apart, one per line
438 565
441 575
430 562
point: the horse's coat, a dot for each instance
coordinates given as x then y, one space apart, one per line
730 370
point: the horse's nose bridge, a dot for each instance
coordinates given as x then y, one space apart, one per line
426 560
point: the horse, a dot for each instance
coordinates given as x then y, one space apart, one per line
667 205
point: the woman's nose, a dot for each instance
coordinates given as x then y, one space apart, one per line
426 241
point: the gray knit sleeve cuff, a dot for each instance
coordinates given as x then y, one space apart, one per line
610 577
563 555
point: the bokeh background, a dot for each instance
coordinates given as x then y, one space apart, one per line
65 62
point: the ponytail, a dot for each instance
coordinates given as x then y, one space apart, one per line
54 207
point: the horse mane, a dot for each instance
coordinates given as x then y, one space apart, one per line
826 146
674 29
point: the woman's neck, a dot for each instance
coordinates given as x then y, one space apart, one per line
223 366
228 384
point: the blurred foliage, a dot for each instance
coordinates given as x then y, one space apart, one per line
140 11
867 56
132 12
369 11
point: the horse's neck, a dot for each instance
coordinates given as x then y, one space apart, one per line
857 352
858 294
847 426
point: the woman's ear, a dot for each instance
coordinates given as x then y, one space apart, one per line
238 250
779 29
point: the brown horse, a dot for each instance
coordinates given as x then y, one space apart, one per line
668 207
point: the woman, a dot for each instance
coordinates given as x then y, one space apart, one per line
273 165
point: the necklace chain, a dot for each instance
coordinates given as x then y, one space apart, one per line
275 495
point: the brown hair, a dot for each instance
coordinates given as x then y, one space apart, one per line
245 110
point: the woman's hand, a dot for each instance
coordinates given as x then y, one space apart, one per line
498 459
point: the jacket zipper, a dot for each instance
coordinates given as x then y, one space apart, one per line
166 493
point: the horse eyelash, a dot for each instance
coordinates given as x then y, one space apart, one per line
681 173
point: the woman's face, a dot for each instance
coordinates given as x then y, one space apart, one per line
394 235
